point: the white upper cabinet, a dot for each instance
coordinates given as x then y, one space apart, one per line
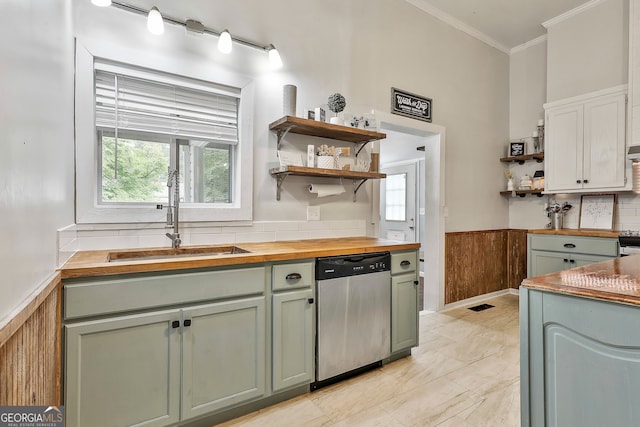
585 143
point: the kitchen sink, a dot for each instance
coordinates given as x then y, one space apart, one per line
169 253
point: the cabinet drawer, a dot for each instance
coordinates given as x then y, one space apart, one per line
84 298
574 244
404 262
292 276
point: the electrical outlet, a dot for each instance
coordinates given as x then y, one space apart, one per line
313 213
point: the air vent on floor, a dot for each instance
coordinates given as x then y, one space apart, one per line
481 307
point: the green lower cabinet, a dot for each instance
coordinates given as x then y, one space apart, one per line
123 371
127 371
293 345
580 361
544 262
404 312
223 355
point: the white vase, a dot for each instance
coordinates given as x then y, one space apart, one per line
326 162
335 120
510 185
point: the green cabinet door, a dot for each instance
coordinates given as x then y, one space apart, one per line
579 259
292 339
544 262
123 371
580 361
223 355
404 312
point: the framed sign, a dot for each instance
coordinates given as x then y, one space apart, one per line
410 105
596 211
516 149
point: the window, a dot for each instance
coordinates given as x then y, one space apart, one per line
396 197
129 121
140 121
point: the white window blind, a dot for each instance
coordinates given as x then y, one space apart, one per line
131 102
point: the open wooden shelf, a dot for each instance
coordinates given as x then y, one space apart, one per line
284 171
523 193
538 157
324 130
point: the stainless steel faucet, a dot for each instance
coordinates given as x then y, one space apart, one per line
173 212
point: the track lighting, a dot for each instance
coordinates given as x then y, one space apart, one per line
274 57
224 42
155 24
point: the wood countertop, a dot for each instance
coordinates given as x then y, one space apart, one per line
586 232
615 280
95 263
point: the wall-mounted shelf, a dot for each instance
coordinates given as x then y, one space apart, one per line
324 130
538 157
523 193
358 178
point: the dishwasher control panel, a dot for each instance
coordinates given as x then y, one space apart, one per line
352 265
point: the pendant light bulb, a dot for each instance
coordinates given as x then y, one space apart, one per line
224 42
101 3
155 24
274 57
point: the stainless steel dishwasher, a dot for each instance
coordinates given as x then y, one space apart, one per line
354 315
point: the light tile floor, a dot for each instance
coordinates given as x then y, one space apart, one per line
465 372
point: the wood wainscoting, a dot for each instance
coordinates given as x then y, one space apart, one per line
481 262
30 350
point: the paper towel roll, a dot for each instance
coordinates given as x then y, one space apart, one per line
324 190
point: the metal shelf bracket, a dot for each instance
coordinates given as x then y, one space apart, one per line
281 134
356 187
280 179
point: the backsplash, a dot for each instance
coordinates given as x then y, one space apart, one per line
83 238
626 215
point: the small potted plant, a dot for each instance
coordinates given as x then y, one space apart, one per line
336 103
327 157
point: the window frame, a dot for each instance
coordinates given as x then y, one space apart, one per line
88 208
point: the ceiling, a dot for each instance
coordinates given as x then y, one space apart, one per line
504 24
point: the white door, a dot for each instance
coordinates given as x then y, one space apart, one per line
398 203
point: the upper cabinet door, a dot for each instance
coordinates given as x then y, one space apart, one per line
564 145
585 146
604 142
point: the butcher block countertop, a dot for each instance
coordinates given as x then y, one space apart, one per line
95 263
615 280
586 232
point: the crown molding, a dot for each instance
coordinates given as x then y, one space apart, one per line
571 13
527 45
456 23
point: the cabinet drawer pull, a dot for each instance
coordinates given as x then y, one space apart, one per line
311 300
569 245
187 323
405 263
293 276
565 260
175 324
578 181
572 261
416 283
586 181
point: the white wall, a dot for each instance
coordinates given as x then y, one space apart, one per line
588 51
334 46
36 164
585 52
359 48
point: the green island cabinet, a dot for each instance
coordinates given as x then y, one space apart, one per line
404 300
579 361
551 253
